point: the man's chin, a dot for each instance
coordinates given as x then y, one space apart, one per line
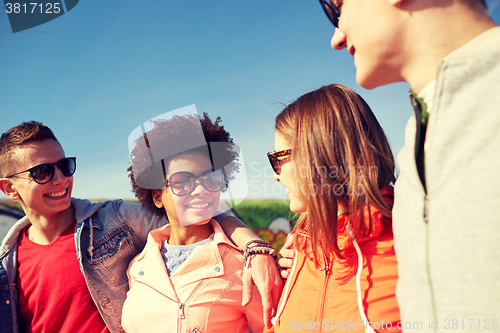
373 80
365 81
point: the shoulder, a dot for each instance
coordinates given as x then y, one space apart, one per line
220 236
10 240
85 208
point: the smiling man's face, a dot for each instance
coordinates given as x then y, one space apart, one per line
371 31
41 199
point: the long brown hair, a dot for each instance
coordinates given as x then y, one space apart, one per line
343 157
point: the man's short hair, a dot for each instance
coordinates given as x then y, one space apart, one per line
16 136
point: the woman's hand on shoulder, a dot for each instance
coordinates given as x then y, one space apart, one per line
263 272
287 255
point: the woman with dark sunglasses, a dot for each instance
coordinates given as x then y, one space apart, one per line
334 160
188 278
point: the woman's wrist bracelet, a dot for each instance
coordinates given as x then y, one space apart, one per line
258 241
263 247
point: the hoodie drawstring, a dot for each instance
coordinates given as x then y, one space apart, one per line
91 245
368 328
275 319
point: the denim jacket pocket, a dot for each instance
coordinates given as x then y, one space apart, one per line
110 255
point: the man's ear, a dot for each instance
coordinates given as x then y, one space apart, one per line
8 188
157 198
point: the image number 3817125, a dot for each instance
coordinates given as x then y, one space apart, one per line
24 15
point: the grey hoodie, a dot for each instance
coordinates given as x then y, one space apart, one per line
447 238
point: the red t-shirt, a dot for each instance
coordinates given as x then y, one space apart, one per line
53 294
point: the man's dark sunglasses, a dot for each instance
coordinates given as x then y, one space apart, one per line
182 183
44 173
330 11
275 162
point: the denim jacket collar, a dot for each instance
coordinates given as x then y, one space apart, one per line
85 209
10 240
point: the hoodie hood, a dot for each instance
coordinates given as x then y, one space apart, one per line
381 226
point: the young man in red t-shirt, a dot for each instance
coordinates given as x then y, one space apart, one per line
53 294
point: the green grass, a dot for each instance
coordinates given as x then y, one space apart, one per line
259 213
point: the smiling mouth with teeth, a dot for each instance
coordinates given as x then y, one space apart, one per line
199 206
55 194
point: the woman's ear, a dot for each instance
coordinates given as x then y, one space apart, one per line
157 198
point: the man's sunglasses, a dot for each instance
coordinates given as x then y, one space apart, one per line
275 162
44 173
331 11
182 183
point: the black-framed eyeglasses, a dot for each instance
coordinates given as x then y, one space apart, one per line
275 162
331 11
44 173
182 183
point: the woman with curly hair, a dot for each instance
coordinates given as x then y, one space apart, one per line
188 278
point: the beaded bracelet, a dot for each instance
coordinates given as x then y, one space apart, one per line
258 250
257 241
264 248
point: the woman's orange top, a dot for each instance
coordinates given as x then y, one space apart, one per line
325 298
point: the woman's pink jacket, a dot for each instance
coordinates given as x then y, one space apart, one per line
203 295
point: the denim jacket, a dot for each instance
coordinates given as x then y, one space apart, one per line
108 235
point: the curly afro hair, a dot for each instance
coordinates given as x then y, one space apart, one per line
172 132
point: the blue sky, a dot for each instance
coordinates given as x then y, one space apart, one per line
96 73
